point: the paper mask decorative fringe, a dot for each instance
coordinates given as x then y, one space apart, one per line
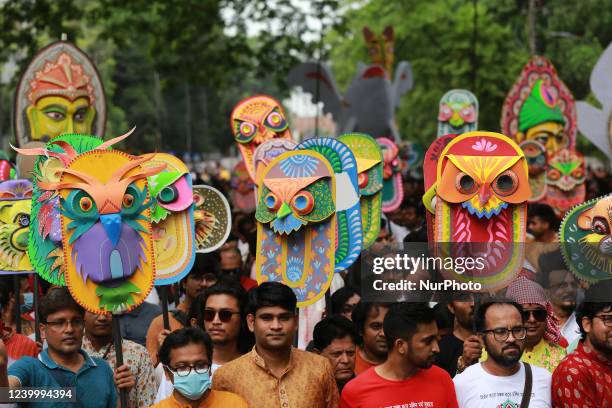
296 224
15 205
370 181
481 195
268 151
255 120
172 209
565 180
393 189
458 112
596 124
586 243
59 70
549 99
349 240
213 218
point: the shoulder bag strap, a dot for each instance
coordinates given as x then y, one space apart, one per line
528 386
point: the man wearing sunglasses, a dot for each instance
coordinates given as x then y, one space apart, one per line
501 380
584 378
274 374
186 355
63 363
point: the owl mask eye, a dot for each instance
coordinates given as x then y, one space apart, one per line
246 132
506 183
272 202
600 226
276 121
554 175
168 195
465 184
362 180
302 203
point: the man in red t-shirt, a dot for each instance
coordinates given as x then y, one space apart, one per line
408 376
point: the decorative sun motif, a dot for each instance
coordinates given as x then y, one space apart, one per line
299 166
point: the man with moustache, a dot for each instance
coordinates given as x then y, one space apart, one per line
500 381
140 381
335 338
274 374
64 363
408 377
584 378
368 318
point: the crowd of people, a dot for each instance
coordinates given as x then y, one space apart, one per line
232 342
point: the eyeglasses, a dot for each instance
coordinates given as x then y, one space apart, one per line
538 314
183 371
501 334
63 324
606 319
224 315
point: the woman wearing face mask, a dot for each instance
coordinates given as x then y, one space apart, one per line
186 355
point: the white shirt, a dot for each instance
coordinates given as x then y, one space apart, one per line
570 329
476 388
165 387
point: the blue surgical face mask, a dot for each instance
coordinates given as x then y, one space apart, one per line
28 302
193 385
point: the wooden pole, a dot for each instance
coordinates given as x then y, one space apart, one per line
119 357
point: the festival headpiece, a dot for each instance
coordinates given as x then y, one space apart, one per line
368 156
61 69
594 123
255 120
172 218
15 205
349 241
105 223
213 218
296 224
458 112
380 48
242 194
539 96
565 181
482 189
393 189
586 240
536 156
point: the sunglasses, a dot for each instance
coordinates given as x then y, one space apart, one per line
224 315
538 314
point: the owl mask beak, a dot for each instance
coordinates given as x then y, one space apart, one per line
484 194
112 226
283 211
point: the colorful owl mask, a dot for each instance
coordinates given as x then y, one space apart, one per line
565 180
213 218
296 230
586 239
380 48
482 188
172 218
369 159
15 205
458 112
393 190
255 120
348 211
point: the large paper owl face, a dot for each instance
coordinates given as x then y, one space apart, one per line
255 120
348 211
585 237
15 205
213 218
296 230
369 159
482 188
172 218
565 180
106 232
393 190
458 112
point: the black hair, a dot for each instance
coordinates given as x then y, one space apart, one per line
56 300
444 318
181 338
545 213
402 320
332 328
548 262
6 290
361 312
270 294
206 263
597 298
339 298
481 311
